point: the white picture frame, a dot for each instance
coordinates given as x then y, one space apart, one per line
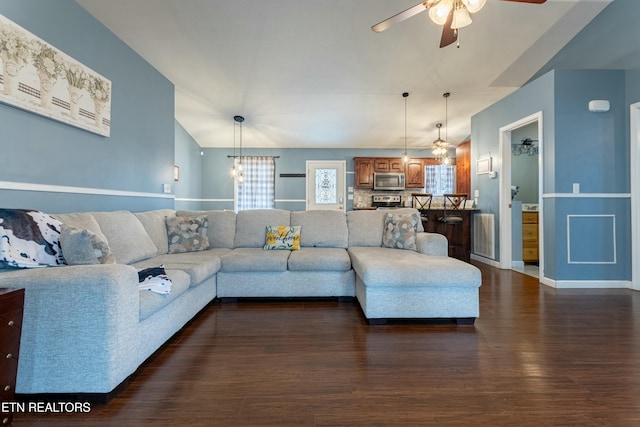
37 77
483 166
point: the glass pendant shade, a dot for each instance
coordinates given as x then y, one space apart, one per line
461 18
440 11
474 6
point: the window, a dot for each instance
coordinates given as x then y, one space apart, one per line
257 189
440 179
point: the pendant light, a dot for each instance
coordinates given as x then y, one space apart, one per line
405 156
239 172
234 171
440 146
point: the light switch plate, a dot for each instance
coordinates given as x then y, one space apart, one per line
166 188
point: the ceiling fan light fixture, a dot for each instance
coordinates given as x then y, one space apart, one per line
440 11
461 18
474 6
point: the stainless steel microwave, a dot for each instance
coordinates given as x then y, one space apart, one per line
388 181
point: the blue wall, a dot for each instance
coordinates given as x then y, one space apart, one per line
189 187
586 236
130 166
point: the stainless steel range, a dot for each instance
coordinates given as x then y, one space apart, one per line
386 201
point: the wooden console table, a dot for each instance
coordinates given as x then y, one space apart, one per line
11 307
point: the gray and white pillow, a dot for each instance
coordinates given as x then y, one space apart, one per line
400 231
187 233
84 247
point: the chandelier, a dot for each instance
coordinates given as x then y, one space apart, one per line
461 10
439 145
527 147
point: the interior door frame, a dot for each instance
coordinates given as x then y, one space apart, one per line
634 158
342 190
506 244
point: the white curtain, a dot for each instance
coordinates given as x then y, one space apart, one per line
257 190
440 179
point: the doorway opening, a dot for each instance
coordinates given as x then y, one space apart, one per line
635 195
521 196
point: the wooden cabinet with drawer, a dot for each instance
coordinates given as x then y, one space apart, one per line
530 237
11 306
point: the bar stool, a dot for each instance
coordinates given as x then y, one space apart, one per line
452 214
422 202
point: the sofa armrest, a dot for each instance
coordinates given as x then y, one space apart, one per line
80 327
432 244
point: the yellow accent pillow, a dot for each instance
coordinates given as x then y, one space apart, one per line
282 237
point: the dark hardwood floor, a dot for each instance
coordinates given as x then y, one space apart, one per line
536 357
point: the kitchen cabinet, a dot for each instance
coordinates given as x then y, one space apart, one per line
414 174
363 171
530 237
364 167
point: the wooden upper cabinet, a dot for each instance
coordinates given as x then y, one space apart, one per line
463 168
364 167
396 165
363 171
414 174
381 165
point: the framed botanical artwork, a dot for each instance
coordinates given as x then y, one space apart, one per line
37 77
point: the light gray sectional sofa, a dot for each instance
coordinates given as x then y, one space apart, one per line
87 328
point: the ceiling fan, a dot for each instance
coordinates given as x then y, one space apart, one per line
451 14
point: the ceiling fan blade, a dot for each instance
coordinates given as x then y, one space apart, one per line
406 14
528 1
449 35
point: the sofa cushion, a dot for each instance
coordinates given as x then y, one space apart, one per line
81 221
397 267
254 259
187 233
400 231
319 259
222 227
250 226
126 236
84 247
151 302
282 237
322 228
365 226
29 239
198 265
155 226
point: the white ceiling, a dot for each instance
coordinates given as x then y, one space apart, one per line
311 73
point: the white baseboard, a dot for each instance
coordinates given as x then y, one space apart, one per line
484 260
587 284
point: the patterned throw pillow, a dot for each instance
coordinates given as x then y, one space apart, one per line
283 237
84 247
400 231
29 239
187 233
